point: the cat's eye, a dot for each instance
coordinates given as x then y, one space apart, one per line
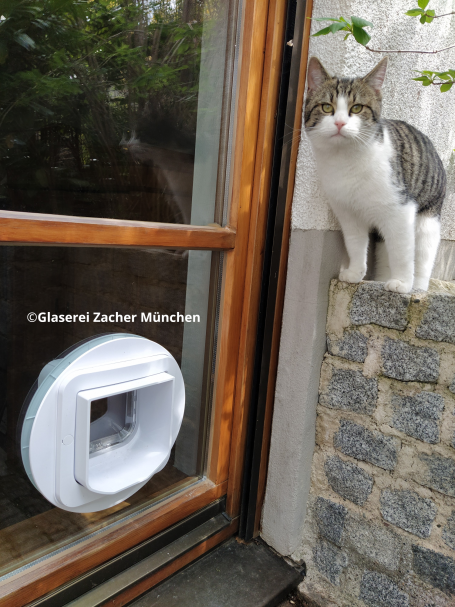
327 108
356 109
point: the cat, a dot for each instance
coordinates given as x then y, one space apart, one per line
378 174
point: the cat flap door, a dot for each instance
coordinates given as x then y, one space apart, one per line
101 420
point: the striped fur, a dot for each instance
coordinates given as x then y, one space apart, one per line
417 169
378 174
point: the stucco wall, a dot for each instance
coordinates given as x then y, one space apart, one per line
424 107
316 247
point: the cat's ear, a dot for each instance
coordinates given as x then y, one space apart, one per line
317 74
377 75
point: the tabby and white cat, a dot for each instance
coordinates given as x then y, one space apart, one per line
378 174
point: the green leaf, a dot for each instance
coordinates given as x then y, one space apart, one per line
423 3
415 12
452 73
324 19
429 19
431 13
344 20
427 83
357 21
423 19
444 75
336 27
347 36
446 86
429 73
323 32
421 79
361 35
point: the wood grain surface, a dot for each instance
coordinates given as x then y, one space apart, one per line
69 564
36 228
282 270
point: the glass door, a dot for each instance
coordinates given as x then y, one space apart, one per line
55 298
115 108
132 201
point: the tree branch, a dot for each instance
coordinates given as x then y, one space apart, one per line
444 15
374 50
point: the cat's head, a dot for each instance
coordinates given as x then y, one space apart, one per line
340 111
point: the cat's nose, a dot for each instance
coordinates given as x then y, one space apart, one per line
340 124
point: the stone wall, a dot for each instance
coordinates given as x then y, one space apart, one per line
380 525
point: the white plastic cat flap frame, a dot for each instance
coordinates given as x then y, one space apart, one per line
101 420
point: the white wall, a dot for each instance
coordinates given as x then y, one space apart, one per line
316 246
424 107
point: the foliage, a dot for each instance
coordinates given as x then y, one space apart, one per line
356 28
425 16
444 80
83 71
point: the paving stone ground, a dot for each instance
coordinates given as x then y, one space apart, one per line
233 575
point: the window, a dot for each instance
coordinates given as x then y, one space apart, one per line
115 109
135 147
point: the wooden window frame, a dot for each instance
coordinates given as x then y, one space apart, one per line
41 229
263 24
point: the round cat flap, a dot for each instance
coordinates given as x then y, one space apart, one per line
101 420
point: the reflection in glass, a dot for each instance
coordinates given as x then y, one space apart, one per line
112 420
108 107
131 287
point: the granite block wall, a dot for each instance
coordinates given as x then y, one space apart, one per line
380 525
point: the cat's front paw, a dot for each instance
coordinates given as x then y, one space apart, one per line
398 286
351 275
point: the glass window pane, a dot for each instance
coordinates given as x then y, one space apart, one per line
114 108
119 291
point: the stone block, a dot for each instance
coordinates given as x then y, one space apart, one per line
409 511
378 590
330 519
452 386
374 447
426 405
352 346
351 391
418 415
438 322
330 561
372 304
373 542
448 533
312 598
409 363
434 568
348 480
438 473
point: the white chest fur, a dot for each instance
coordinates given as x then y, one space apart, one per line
358 177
